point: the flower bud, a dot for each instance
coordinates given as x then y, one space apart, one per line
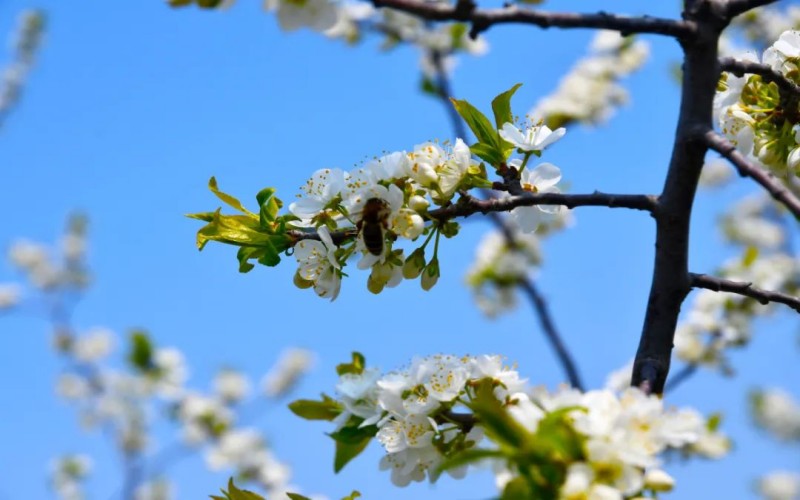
301 283
414 264
658 480
375 286
430 275
418 203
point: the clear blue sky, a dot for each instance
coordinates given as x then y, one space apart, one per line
131 108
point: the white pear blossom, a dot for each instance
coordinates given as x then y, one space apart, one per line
320 190
318 264
534 138
542 179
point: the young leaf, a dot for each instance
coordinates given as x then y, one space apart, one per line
478 123
488 153
350 442
226 198
352 496
140 355
296 496
499 425
356 366
327 409
469 456
270 205
501 106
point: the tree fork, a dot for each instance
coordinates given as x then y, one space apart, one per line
671 281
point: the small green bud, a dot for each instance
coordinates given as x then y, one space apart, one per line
430 275
414 264
449 229
301 283
375 286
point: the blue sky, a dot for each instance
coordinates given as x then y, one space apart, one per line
133 106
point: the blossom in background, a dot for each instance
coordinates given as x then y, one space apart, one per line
285 374
10 294
317 15
777 412
67 475
779 485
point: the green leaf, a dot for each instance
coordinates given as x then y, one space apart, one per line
478 123
499 425
428 86
517 489
469 456
501 106
296 496
226 198
235 493
488 153
750 256
140 355
350 442
555 435
352 496
356 366
309 409
270 206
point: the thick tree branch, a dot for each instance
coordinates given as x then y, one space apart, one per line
736 7
740 68
746 168
671 282
743 288
482 19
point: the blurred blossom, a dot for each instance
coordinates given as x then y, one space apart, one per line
9 295
160 489
72 386
620 379
778 412
171 371
203 418
27 255
93 345
779 485
716 173
67 475
285 374
230 385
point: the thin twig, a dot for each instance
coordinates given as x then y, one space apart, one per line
740 68
746 168
551 333
737 7
482 19
743 288
679 377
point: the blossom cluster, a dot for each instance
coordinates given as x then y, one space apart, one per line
389 198
604 444
122 399
25 44
756 117
590 92
778 413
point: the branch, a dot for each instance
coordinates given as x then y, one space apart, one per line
735 7
549 328
746 289
679 377
671 282
482 19
746 168
740 68
469 205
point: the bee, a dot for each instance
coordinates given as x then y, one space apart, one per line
373 222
